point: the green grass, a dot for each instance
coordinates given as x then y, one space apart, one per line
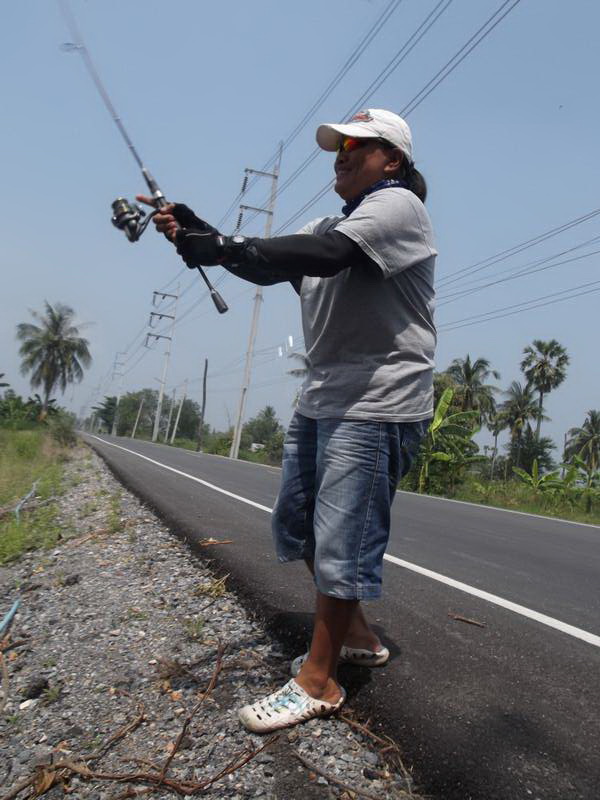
114 514
184 444
517 496
27 456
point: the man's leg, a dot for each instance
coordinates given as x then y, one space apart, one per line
359 634
332 621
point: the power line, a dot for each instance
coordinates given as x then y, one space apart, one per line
354 56
478 266
519 308
449 67
522 273
343 70
429 87
387 71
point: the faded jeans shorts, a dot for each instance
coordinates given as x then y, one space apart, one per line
338 482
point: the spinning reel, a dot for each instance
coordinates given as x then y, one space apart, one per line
128 217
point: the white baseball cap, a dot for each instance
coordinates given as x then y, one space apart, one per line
371 123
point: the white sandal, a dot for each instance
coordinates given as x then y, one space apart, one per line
350 655
287 706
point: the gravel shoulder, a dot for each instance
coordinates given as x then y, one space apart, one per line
121 633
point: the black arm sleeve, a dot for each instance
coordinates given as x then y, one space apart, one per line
289 258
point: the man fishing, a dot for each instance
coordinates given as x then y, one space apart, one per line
365 281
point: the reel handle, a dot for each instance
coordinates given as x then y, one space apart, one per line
161 202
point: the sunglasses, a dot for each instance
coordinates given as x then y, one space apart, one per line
349 143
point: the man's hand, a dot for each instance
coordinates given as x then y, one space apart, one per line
164 219
198 243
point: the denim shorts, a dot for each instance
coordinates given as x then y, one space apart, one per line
338 482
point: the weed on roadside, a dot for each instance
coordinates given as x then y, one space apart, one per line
212 588
194 627
38 529
51 694
114 515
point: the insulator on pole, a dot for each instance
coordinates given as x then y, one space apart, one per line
239 220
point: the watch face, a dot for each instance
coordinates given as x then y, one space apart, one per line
238 239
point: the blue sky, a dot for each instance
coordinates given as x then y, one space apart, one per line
508 144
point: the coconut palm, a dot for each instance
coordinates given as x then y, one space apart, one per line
585 441
53 351
496 423
545 367
474 393
106 411
517 410
531 449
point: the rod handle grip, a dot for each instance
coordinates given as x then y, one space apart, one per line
220 304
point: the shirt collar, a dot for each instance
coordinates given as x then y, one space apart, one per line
386 183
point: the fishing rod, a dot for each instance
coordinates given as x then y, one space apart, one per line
128 217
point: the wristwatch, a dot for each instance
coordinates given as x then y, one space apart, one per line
232 249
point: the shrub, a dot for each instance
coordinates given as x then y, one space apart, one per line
62 429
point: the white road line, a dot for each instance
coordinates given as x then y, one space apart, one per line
571 630
186 475
544 619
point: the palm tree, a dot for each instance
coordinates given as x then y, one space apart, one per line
496 423
106 411
474 393
518 408
53 351
545 367
585 441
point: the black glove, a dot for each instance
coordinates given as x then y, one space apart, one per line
198 243
187 219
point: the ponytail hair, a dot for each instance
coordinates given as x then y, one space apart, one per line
409 173
414 180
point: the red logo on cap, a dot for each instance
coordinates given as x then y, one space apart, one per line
362 116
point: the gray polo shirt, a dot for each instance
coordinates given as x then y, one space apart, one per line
370 338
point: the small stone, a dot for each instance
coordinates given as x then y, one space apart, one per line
28 704
371 758
322 781
71 580
41 756
72 732
186 743
370 774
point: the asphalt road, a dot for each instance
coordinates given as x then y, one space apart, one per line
506 711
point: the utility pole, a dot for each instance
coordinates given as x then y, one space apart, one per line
155 318
166 439
118 365
174 434
201 424
137 419
269 211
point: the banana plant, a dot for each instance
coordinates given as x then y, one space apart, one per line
447 439
589 477
536 481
